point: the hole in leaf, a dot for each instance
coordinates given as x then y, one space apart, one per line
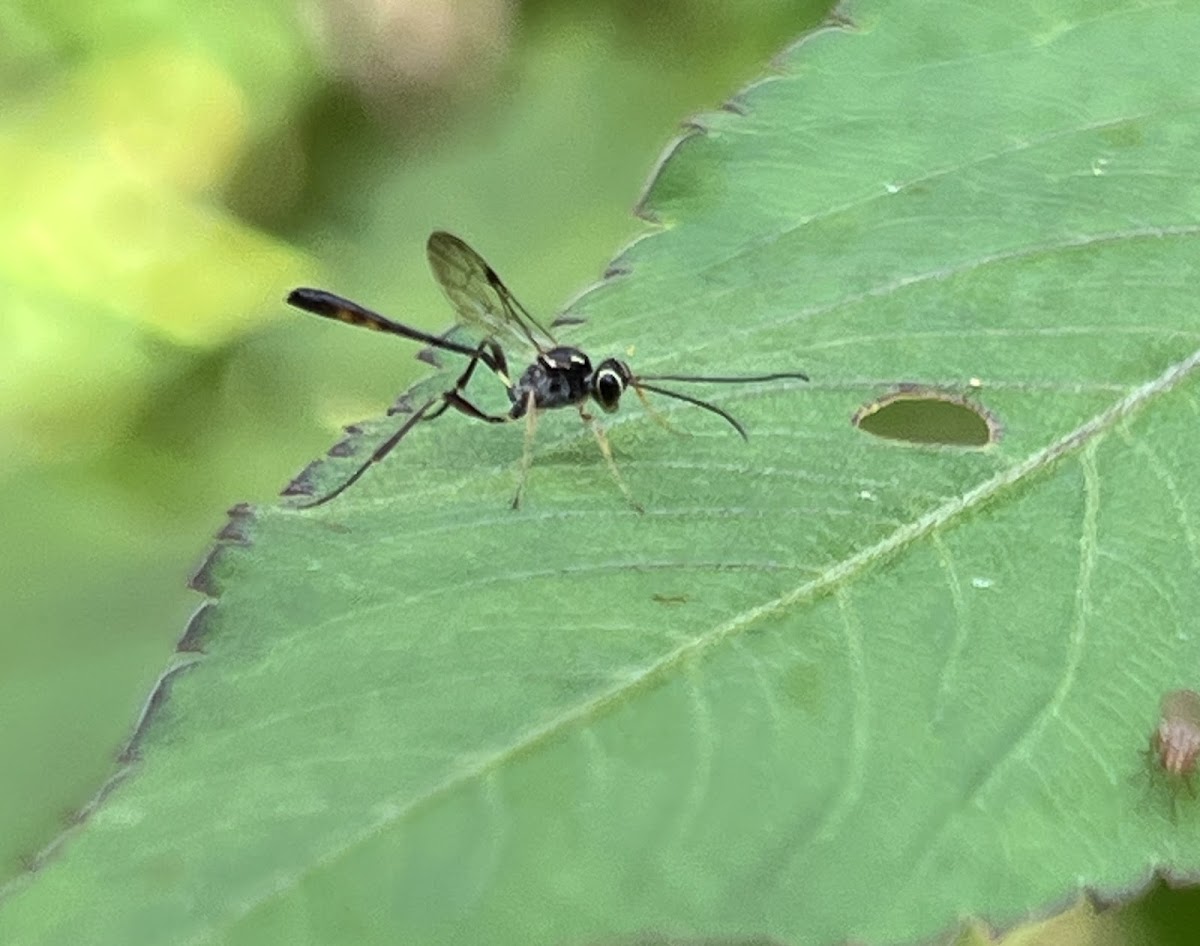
928 415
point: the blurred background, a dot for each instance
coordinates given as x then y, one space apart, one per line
170 170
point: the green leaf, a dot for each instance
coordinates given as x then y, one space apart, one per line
829 686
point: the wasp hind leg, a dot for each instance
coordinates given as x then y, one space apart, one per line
380 452
490 354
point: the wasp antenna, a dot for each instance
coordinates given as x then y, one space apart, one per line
739 379
712 408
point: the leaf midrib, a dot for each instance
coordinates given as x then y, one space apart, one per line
832 578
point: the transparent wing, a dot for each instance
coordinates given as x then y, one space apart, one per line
481 300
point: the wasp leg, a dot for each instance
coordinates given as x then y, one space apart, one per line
602 441
656 415
380 452
531 419
490 354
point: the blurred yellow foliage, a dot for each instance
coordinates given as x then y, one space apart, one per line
111 245
109 206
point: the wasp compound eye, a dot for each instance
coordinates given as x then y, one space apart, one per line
609 388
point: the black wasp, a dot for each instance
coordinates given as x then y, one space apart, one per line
559 376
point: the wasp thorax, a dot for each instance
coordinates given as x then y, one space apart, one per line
608 383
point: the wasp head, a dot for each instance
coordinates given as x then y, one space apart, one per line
608 382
